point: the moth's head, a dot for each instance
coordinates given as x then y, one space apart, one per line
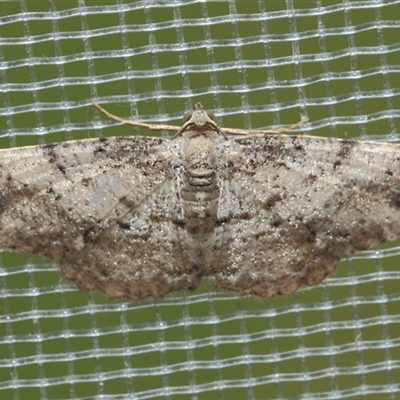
199 116
198 122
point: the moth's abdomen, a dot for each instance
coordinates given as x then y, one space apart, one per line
199 189
199 194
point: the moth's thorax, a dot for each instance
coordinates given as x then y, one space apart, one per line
199 189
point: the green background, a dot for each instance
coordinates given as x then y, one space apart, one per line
152 61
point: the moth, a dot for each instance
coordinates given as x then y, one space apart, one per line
138 217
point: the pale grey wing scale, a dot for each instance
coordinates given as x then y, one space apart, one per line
292 207
106 210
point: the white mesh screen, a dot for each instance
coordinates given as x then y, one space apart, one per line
256 64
